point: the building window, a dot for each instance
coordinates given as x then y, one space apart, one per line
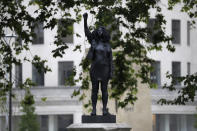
188 33
64 121
150 27
37 77
65 30
18 75
188 68
155 75
174 122
176 71
19 40
64 71
44 122
39 33
176 31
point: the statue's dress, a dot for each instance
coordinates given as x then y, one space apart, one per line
101 61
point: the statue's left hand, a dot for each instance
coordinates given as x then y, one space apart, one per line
85 15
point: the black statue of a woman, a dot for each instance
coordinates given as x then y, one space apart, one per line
101 70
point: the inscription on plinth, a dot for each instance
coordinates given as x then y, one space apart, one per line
99 119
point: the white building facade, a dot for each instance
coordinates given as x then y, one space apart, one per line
60 109
180 63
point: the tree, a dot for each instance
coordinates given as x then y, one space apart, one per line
195 124
29 118
128 49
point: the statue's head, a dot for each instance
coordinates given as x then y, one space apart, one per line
101 33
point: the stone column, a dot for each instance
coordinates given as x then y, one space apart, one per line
164 123
183 123
52 123
167 122
77 118
1 123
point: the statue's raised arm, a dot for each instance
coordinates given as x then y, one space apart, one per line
86 29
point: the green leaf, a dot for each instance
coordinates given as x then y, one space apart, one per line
44 99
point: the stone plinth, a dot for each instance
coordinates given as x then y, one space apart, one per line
99 127
99 119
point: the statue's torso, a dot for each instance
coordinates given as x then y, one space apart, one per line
101 53
100 62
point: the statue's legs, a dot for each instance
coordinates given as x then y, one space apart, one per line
104 96
95 87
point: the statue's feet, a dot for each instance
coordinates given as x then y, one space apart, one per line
105 112
93 113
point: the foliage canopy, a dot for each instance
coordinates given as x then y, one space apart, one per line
128 42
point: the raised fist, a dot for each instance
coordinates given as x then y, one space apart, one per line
85 15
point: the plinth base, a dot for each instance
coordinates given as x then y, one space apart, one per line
99 127
99 119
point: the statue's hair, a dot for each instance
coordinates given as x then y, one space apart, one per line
105 37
